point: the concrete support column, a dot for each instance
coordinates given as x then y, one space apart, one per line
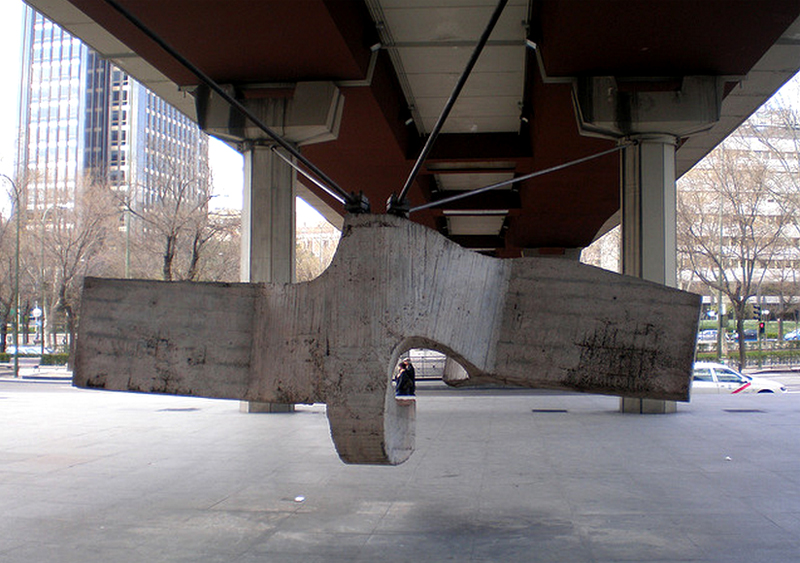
268 231
656 114
268 218
649 239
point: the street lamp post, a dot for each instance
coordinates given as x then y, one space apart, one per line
127 244
720 328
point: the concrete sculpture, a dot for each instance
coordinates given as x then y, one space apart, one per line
393 285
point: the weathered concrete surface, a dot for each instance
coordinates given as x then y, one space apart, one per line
393 285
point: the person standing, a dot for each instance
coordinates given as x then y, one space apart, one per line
406 382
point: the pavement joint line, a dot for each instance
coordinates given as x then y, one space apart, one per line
492 484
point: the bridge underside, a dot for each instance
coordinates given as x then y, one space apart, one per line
395 64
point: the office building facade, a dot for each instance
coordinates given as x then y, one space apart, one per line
84 120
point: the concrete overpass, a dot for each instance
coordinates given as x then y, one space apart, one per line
395 63
352 92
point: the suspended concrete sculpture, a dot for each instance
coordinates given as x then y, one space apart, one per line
393 285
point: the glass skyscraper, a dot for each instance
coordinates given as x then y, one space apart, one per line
84 120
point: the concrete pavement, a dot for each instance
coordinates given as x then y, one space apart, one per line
90 476
43 373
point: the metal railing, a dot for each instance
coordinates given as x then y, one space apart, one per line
767 353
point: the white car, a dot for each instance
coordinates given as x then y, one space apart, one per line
708 335
709 377
27 350
794 335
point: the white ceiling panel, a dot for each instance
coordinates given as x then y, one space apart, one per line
471 181
474 212
453 60
480 125
479 84
431 42
475 224
477 106
499 165
464 22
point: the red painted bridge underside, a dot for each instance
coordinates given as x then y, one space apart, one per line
255 41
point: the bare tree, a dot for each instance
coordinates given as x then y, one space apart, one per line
215 248
17 278
604 252
776 131
306 264
172 214
730 223
6 276
75 246
314 249
784 285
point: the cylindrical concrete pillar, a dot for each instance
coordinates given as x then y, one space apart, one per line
268 231
268 218
648 199
649 241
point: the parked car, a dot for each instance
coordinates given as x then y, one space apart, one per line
750 335
28 350
710 335
794 335
710 377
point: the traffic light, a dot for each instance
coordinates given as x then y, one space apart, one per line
756 311
761 327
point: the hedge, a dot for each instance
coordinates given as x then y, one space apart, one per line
786 356
47 359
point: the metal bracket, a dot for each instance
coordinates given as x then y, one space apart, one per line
396 205
357 203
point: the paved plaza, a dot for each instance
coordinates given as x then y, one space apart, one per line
91 476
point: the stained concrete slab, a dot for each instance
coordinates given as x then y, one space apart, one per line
392 285
90 476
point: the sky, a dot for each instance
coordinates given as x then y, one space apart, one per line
10 66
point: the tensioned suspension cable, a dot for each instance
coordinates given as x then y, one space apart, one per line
342 195
519 179
452 99
310 177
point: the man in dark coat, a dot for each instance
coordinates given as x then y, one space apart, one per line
406 384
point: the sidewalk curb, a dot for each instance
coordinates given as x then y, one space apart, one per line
43 377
